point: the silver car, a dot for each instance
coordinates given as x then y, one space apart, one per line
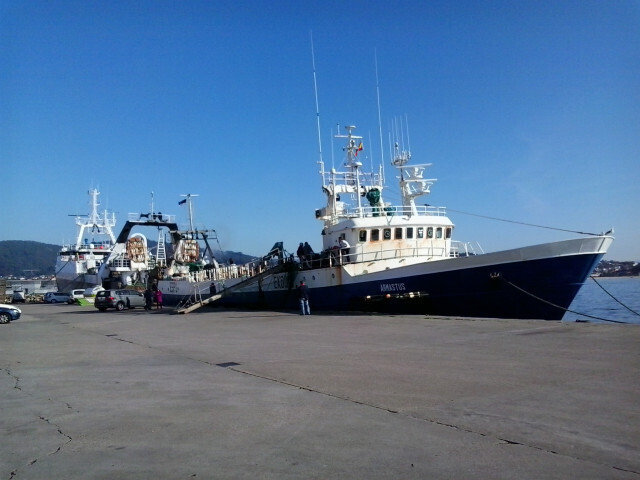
56 297
118 299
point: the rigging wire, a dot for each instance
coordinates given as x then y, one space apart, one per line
608 293
524 223
315 89
558 306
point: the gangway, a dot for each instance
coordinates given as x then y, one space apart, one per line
281 267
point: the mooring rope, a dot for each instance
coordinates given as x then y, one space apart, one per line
527 224
608 293
558 306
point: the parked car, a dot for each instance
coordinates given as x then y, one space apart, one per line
75 294
56 297
18 297
8 313
119 299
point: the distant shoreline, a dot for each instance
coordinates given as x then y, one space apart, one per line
617 276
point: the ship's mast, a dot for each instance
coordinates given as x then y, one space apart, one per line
412 183
352 181
352 162
190 206
193 233
94 221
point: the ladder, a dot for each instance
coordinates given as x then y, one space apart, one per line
161 254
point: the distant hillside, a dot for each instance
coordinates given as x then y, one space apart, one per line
611 268
23 258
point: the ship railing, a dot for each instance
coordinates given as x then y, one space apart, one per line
399 210
151 217
464 249
349 178
394 253
120 262
334 257
224 272
80 256
86 247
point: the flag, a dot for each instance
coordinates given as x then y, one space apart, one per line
359 148
182 202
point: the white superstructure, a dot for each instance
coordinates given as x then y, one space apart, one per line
376 230
77 264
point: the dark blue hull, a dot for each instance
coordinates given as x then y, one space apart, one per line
533 289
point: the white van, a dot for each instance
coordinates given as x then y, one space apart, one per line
74 295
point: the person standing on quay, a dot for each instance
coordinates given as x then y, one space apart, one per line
303 295
148 299
158 299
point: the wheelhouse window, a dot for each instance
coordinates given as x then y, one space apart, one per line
375 235
439 232
448 232
398 234
409 232
420 232
387 233
362 236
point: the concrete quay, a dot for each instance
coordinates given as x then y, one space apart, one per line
272 395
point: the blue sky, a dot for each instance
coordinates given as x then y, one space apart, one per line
529 111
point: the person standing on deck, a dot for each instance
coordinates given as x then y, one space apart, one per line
344 249
308 254
300 253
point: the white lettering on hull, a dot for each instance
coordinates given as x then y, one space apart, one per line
392 287
280 282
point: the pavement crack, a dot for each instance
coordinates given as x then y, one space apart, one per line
423 419
15 378
626 470
461 428
509 442
67 440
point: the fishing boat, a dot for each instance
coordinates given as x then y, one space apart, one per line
188 272
77 264
402 258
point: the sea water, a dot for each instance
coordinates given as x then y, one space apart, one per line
592 300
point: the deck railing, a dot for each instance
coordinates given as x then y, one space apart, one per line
332 258
151 217
398 210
